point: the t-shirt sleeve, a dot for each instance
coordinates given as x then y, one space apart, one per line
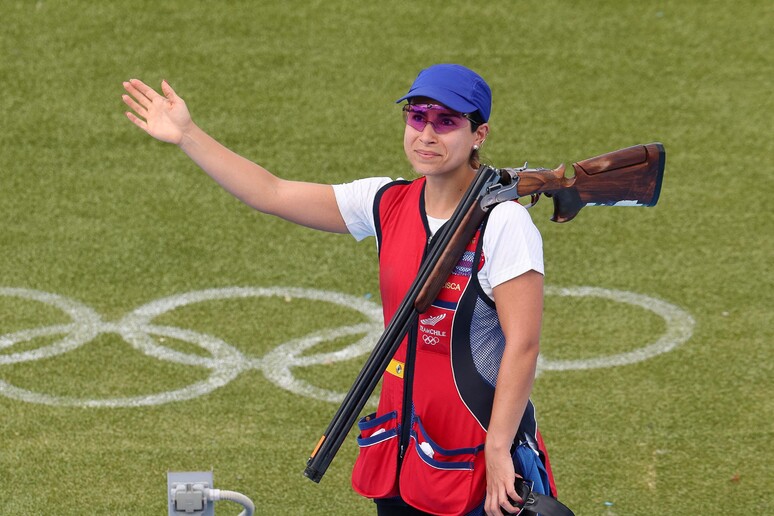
512 245
356 204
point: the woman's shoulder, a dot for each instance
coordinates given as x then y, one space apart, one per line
512 221
367 182
510 211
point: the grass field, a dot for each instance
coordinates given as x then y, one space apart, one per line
97 220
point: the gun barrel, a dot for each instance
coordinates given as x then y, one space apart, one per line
396 329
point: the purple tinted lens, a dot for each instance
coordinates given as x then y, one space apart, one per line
443 120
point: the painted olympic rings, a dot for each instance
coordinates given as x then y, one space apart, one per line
225 362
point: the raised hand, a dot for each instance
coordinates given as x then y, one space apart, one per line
165 117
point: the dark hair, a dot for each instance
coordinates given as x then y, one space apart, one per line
475 122
475 159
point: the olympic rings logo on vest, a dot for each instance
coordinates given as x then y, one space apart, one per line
430 340
225 362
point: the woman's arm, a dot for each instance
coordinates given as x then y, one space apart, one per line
166 118
519 309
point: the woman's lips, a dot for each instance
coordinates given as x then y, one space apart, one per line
426 154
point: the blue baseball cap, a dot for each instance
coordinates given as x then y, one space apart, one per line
454 86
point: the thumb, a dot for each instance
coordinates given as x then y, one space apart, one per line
167 90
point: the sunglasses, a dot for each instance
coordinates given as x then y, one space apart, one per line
443 120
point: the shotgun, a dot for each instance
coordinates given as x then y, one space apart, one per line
627 177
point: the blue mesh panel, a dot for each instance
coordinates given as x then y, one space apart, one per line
465 266
487 341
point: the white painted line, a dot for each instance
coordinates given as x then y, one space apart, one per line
226 362
679 328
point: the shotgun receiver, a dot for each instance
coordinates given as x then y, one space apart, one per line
627 177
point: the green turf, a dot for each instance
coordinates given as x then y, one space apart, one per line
93 210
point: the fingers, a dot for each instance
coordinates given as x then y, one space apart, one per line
140 97
144 89
512 494
508 508
167 90
505 501
144 94
138 122
513 501
503 508
137 108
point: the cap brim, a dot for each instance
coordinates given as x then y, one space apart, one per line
445 97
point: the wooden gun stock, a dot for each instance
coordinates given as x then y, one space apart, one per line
626 177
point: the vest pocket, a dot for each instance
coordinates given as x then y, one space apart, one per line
376 467
444 482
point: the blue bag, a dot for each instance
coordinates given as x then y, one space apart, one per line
528 464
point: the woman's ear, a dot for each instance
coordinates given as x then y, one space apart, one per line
481 133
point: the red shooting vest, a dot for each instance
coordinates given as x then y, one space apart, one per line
432 455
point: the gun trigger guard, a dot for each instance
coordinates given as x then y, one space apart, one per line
533 199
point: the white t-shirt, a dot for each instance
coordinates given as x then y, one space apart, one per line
512 244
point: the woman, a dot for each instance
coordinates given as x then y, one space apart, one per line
452 452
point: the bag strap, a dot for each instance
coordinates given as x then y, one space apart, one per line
537 503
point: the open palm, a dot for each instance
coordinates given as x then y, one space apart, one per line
165 117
